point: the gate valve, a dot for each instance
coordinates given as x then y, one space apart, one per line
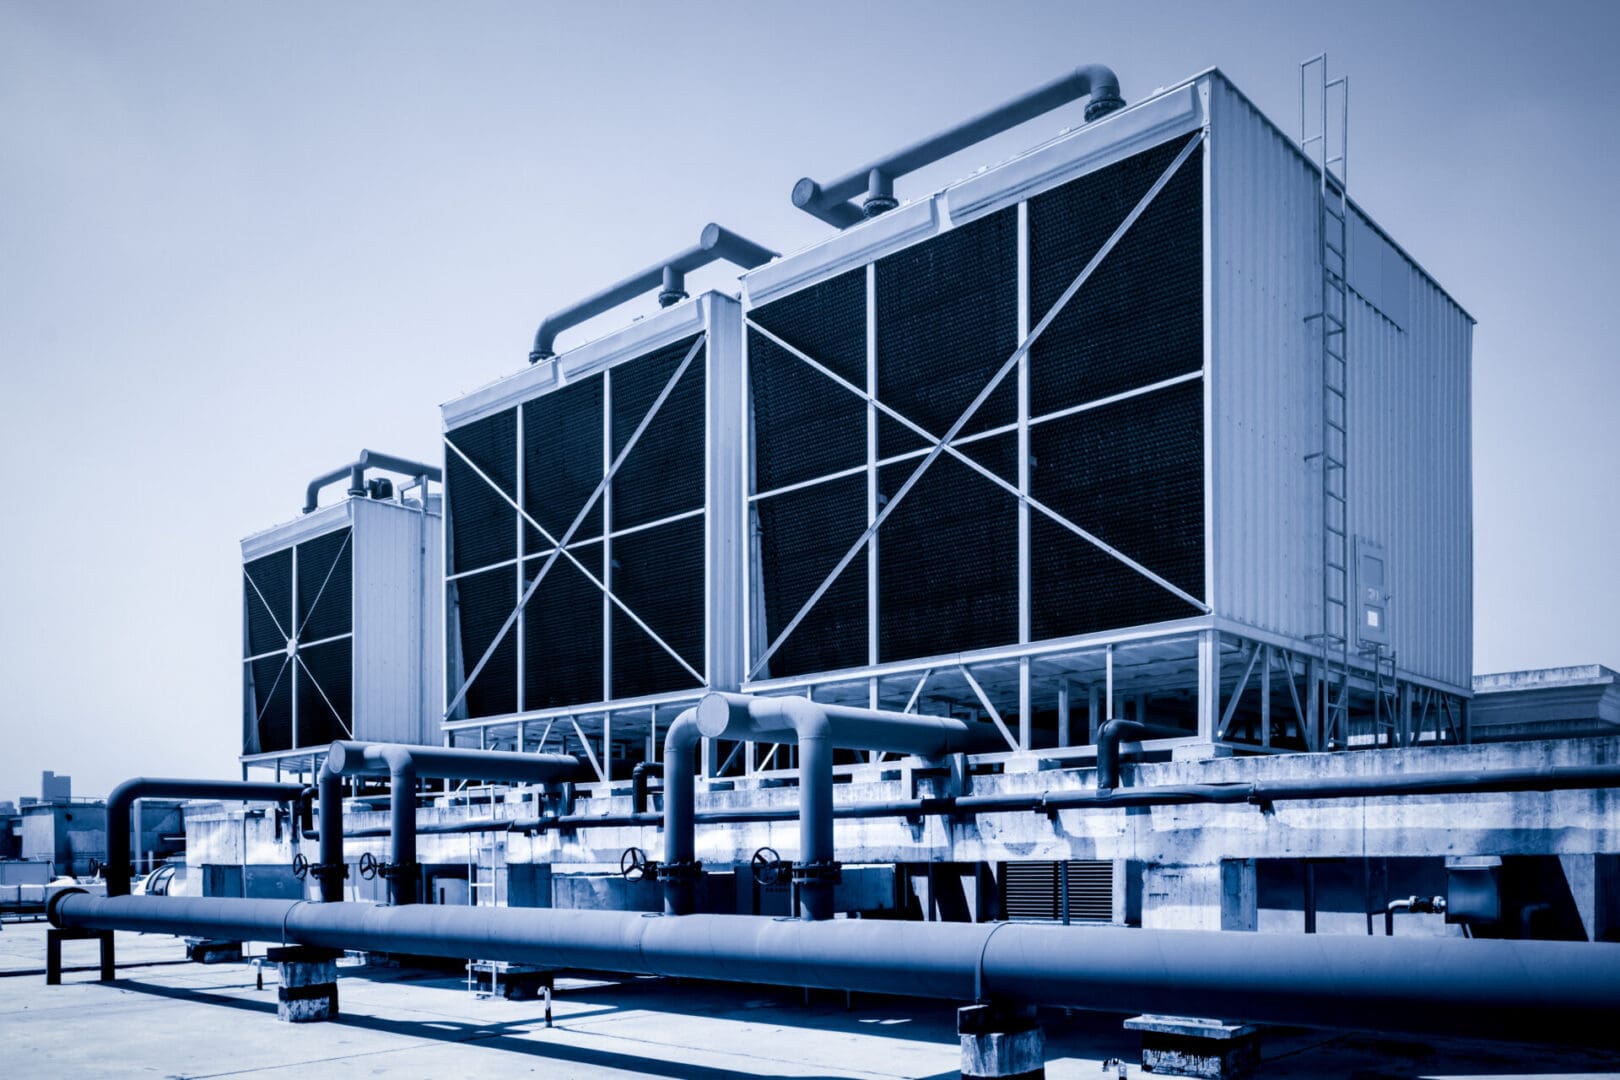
371 866
635 866
302 867
829 872
767 867
679 871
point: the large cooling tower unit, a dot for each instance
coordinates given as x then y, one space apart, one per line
594 536
1123 331
340 624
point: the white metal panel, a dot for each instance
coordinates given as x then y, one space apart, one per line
395 602
1409 472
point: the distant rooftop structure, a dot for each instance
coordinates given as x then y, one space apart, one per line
54 788
1546 703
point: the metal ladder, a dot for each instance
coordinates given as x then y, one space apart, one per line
1332 235
485 861
1387 720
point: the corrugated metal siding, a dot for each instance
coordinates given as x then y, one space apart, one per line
1409 471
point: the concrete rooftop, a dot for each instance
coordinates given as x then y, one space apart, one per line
168 1018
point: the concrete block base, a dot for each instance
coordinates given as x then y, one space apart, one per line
1001 1042
1187 1046
308 991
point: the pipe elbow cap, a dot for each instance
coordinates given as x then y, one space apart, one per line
713 715
56 898
806 192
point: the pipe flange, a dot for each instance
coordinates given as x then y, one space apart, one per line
671 297
679 872
830 872
1098 107
322 871
391 871
878 204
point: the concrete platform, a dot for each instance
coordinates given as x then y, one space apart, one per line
167 1017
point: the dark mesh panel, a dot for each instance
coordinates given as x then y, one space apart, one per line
483 526
562 463
325 693
947 319
483 601
272 703
805 425
663 475
803 534
658 573
948 556
1139 317
562 633
271 577
1132 475
325 586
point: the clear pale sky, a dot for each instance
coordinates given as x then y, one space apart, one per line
239 242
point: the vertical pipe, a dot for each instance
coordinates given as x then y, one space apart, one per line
402 825
816 820
1094 720
1310 897
680 798
330 785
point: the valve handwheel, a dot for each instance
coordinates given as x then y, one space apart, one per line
300 866
766 866
633 864
369 866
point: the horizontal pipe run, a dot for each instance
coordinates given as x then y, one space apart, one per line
1544 778
122 799
355 471
1537 990
831 201
668 276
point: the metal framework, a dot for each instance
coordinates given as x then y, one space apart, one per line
491 731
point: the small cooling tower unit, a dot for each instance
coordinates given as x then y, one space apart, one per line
341 617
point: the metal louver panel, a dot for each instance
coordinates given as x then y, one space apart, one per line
481 604
326 586
658 573
663 475
803 534
562 636
483 525
324 681
1033 890
562 463
267 599
270 697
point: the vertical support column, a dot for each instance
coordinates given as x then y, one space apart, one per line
523 617
1063 712
652 737
1265 695
872 703
1093 714
1313 704
1108 685
871 466
607 536
607 746
1209 684
1026 721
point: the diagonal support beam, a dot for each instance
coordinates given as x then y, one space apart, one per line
983 395
989 707
596 765
268 609
330 570
1237 695
316 683
560 548
916 691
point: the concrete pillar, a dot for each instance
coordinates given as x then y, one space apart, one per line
308 991
1212 896
1185 1046
1594 884
1001 1041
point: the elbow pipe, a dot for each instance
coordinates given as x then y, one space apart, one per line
817 729
640 777
832 202
715 244
405 765
355 471
1109 738
1545 991
680 869
122 799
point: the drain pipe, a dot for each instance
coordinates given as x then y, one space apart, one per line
830 202
668 277
122 799
404 765
355 471
1538 990
817 729
1413 904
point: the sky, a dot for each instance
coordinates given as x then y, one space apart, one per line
239 242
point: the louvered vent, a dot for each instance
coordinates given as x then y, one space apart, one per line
299 695
654 551
1034 890
1115 431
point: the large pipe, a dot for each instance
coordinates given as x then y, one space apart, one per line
1538 990
816 728
122 799
1109 736
668 276
331 869
355 471
830 202
404 765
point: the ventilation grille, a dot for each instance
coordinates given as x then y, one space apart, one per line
1129 472
567 437
303 697
1034 890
